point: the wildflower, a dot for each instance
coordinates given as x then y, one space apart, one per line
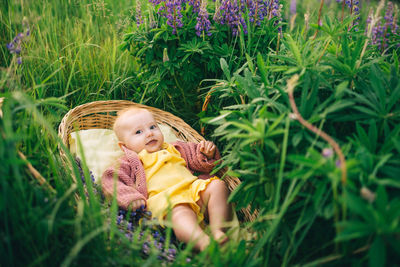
154 2
253 11
230 15
337 163
203 24
327 152
139 19
356 12
146 248
307 20
15 46
119 219
121 212
171 254
275 9
217 14
174 15
195 5
367 194
276 12
293 6
382 31
368 22
165 55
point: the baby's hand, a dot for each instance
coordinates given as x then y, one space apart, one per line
136 204
207 148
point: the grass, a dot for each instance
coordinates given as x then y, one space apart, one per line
72 57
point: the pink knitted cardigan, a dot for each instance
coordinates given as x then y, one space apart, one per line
129 177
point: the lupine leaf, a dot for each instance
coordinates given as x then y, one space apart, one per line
377 253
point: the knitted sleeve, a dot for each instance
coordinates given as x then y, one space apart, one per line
195 160
124 176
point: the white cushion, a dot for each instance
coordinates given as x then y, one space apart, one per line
101 148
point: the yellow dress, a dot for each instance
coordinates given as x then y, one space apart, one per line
169 182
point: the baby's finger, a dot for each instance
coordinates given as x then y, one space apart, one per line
201 145
213 147
210 146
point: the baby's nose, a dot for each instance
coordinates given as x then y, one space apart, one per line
149 133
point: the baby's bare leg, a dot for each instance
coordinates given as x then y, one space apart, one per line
215 197
186 228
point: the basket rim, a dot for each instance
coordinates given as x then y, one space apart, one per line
74 113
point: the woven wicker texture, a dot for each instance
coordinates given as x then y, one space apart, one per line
101 115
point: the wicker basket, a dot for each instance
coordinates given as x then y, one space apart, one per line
101 115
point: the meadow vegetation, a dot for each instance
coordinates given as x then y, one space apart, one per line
302 97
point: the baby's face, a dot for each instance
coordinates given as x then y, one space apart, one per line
139 130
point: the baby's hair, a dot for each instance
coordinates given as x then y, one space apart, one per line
121 113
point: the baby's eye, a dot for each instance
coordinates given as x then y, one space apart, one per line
138 132
152 127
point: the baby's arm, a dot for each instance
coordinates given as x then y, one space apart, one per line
127 195
195 159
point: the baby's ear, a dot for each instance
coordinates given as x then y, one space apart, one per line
121 145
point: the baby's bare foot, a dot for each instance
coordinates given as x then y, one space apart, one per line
220 237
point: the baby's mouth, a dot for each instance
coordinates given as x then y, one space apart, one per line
151 142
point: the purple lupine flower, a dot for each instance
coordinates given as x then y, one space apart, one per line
263 8
258 9
119 219
244 24
128 235
337 163
275 9
203 23
389 15
252 6
196 5
387 26
15 46
356 12
376 33
139 18
217 14
146 248
174 15
293 5
368 22
154 2
171 254
230 15
276 12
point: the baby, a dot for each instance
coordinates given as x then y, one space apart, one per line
160 176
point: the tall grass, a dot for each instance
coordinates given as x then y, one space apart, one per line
72 56
72 51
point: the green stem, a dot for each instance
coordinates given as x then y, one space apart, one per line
282 164
181 89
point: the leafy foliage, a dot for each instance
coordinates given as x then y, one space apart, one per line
307 216
174 64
